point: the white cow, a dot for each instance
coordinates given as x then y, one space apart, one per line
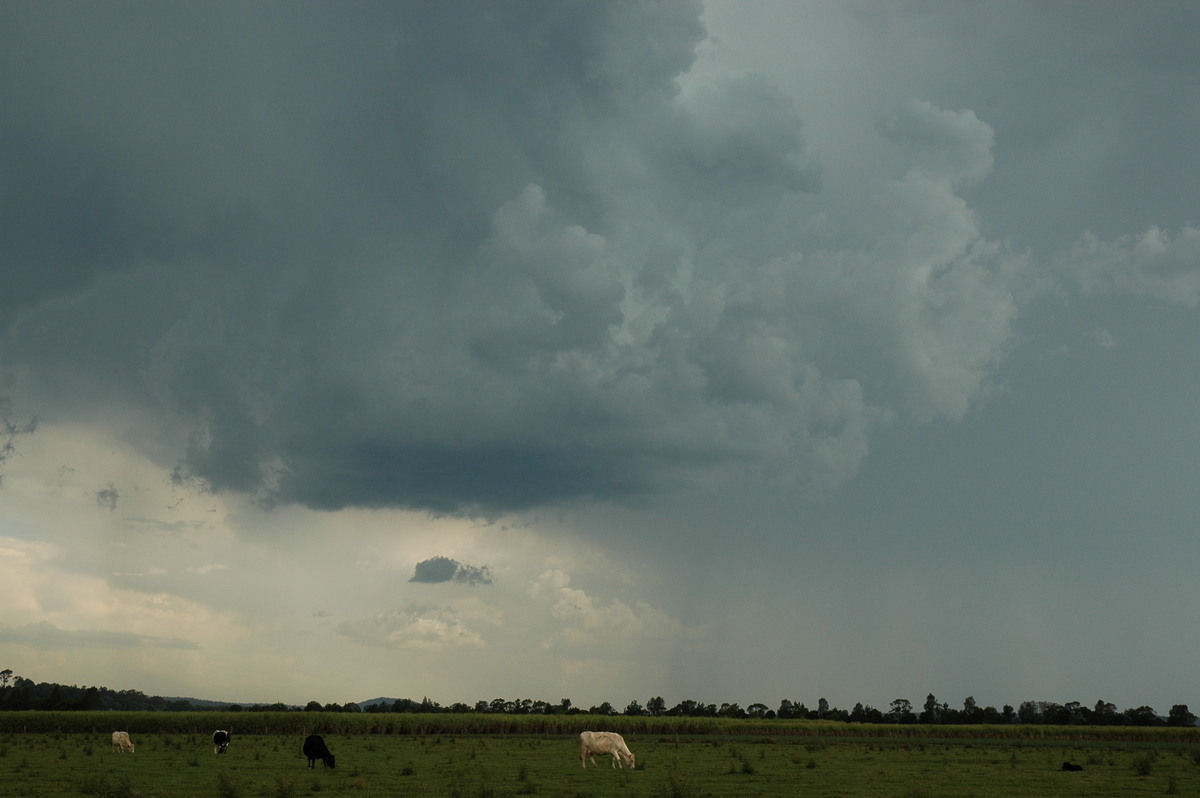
121 742
611 743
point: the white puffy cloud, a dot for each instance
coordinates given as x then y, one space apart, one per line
586 620
413 626
1154 264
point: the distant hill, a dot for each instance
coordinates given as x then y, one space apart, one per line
201 703
373 701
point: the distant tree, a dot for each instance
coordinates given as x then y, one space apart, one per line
1009 714
731 711
1180 716
1142 716
634 709
1055 714
970 710
1105 714
932 712
564 706
5 677
656 706
313 706
1029 712
603 709
901 711
1077 714
757 710
822 708
685 708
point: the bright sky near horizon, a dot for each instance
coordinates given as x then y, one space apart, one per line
725 352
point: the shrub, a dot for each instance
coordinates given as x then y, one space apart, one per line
226 788
97 784
678 786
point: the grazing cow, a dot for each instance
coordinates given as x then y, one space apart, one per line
121 742
611 743
220 741
314 749
1069 766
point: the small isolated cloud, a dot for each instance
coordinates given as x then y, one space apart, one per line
151 571
1104 338
444 569
107 497
201 570
414 626
44 635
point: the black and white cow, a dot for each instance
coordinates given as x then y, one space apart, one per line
220 741
314 749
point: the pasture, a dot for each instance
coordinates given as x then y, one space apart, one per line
77 762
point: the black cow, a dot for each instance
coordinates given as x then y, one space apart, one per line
220 741
314 749
1069 766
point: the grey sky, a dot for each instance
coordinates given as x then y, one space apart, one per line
745 351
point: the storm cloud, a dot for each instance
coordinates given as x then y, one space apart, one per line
543 273
740 341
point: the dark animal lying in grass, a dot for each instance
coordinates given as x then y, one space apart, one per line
1069 766
314 749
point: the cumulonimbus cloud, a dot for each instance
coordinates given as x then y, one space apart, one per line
554 273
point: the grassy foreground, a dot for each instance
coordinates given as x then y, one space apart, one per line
729 759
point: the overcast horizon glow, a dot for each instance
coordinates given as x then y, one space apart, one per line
725 352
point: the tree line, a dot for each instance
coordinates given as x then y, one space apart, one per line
18 693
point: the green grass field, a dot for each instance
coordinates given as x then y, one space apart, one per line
469 765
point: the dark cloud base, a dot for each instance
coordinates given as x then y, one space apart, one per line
45 635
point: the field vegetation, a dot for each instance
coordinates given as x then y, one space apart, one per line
486 756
